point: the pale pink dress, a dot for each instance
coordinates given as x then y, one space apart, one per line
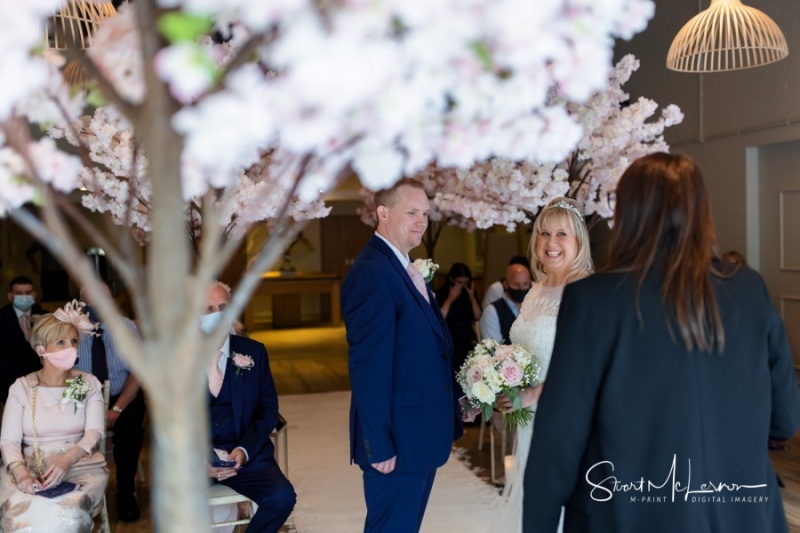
59 427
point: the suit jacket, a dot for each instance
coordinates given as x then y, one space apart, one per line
404 397
17 358
254 400
625 401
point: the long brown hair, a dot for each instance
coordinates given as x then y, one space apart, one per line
663 219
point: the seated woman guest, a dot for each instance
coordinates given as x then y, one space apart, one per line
52 422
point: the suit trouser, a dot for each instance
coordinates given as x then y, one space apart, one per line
128 439
263 482
396 501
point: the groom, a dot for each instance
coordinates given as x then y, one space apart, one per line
404 412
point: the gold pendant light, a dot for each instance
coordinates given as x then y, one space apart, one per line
727 36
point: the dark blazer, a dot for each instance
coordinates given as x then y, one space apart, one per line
623 401
254 400
404 398
17 358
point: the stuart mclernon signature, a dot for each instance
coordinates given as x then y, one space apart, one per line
649 491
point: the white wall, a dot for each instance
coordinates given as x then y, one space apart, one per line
726 113
743 128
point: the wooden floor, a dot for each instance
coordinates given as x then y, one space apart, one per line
315 360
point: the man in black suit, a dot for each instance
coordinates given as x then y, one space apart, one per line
17 358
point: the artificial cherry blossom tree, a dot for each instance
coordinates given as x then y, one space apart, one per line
506 192
186 141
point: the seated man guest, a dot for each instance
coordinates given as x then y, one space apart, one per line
243 407
496 289
99 355
17 358
499 315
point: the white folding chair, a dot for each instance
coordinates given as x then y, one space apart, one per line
102 510
280 436
223 495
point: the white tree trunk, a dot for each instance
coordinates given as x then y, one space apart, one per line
179 454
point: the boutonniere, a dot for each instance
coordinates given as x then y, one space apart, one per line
427 268
75 392
242 362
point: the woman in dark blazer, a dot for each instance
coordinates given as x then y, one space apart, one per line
669 373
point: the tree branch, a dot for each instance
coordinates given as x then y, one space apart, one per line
96 237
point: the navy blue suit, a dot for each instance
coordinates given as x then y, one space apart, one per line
404 399
243 415
17 357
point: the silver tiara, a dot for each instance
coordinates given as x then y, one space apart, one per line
566 205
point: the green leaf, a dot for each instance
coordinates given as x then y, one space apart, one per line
177 27
516 402
483 53
95 98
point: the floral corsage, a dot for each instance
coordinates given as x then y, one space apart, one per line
75 392
427 268
242 362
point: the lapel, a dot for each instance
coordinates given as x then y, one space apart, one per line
427 308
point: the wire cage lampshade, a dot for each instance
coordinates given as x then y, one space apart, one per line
73 25
726 36
71 28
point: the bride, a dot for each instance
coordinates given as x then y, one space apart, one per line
560 254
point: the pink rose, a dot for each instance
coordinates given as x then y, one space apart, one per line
242 362
512 373
486 362
503 352
474 375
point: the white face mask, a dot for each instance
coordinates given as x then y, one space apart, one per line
209 322
23 302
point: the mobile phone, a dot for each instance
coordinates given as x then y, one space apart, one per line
221 459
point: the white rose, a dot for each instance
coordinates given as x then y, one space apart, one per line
482 392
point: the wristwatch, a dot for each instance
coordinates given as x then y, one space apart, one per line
116 409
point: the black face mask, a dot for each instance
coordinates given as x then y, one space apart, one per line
517 294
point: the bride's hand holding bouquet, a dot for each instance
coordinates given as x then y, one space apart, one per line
493 370
527 398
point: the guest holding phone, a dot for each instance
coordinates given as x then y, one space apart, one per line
461 309
53 420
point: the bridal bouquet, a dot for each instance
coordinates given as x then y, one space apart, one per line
492 368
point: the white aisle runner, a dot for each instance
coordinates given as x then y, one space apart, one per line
329 490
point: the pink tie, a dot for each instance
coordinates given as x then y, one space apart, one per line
215 376
25 324
419 283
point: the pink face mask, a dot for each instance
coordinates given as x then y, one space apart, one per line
62 359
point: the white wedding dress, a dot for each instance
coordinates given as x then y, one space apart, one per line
535 329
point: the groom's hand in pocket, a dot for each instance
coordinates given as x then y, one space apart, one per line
385 467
